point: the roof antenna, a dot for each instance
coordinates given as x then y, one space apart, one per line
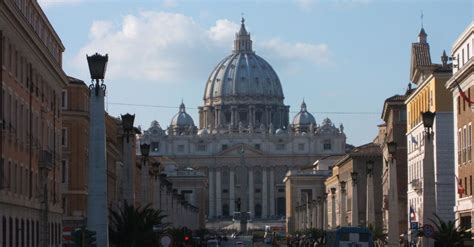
421 18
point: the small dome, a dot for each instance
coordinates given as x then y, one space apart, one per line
182 119
303 118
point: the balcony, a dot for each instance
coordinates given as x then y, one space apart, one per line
464 204
45 160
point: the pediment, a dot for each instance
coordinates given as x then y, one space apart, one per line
237 149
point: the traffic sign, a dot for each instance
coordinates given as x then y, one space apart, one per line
428 230
166 240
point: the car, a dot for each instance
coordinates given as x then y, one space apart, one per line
239 243
212 243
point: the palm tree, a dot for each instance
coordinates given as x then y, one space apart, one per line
133 227
448 234
378 235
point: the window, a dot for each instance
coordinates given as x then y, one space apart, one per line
402 115
63 99
180 148
224 147
301 146
257 146
201 147
467 52
64 137
327 145
64 171
155 146
280 146
462 56
257 190
469 141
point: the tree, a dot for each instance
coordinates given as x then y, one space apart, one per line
133 227
378 235
447 234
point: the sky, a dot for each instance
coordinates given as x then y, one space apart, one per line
343 57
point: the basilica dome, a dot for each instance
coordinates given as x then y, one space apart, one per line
182 119
304 117
243 75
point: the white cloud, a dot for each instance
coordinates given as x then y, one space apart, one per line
172 48
170 3
308 5
317 54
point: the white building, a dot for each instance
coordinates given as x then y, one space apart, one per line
244 142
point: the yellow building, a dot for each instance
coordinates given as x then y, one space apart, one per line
430 94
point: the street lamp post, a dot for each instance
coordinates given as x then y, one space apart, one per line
97 214
145 151
155 169
370 214
342 211
429 201
355 202
129 185
393 221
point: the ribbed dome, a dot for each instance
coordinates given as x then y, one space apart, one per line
243 74
182 119
303 118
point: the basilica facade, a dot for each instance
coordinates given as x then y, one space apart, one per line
244 142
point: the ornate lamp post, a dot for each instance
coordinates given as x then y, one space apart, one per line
393 228
370 214
97 171
333 207
429 200
342 211
145 151
129 185
354 202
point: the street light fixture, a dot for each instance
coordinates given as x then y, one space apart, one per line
392 148
97 67
333 191
127 123
370 167
428 120
354 177
343 186
145 150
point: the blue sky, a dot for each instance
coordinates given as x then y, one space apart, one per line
344 57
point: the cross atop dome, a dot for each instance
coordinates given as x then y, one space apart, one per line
242 42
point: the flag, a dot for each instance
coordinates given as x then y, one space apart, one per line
413 140
460 188
412 214
463 94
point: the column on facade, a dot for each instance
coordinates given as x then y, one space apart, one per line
314 214
393 225
264 194
354 202
343 210
296 218
272 192
218 193
325 212
212 193
318 223
333 207
156 193
370 214
144 183
251 194
231 192
233 115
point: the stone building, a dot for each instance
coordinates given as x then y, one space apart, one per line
244 142
463 81
430 94
32 80
355 183
394 117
